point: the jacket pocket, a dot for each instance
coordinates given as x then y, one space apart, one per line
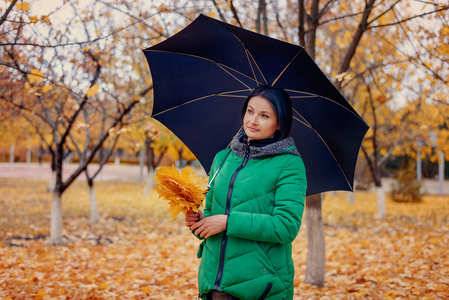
265 293
200 249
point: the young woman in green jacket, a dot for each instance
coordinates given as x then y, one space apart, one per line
254 206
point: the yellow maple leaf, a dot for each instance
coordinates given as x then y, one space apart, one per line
35 76
46 20
104 285
146 290
40 294
33 19
184 191
163 8
47 88
23 6
92 91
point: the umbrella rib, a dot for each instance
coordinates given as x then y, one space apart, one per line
303 122
201 98
290 62
300 97
249 61
324 142
325 98
251 66
233 76
215 62
185 103
235 91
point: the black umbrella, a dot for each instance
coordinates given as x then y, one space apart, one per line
203 74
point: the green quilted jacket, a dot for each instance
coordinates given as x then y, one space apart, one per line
262 190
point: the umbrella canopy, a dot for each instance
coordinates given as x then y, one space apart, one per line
203 74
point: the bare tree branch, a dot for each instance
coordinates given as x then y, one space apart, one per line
8 10
323 11
410 18
85 98
384 12
234 12
301 21
356 39
220 13
406 32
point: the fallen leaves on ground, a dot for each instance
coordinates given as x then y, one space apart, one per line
134 253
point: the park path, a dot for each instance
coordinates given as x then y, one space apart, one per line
109 172
125 172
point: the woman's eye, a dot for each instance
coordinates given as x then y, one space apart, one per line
265 116
249 111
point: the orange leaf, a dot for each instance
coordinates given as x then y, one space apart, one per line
184 191
92 91
35 76
40 295
23 6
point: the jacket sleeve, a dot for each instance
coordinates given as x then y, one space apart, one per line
283 225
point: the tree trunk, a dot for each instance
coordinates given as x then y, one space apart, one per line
149 154
351 198
441 173
150 183
381 208
39 160
28 156
52 181
261 18
11 154
315 268
56 219
141 163
301 29
39 170
315 229
94 216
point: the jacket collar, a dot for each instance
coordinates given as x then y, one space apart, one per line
239 147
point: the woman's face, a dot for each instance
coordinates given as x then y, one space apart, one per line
260 120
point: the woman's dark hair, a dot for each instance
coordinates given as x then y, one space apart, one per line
281 103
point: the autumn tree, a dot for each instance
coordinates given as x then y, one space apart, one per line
65 69
388 83
355 66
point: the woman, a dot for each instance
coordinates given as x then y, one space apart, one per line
254 206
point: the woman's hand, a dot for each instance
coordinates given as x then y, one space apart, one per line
209 226
193 217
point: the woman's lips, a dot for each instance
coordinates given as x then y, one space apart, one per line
253 129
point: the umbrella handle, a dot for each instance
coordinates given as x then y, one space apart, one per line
216 172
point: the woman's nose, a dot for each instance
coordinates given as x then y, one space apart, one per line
254 120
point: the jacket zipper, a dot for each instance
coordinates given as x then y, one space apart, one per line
267 290
224 239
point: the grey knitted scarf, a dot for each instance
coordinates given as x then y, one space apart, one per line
286 145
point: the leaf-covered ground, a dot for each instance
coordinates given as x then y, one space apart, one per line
134 253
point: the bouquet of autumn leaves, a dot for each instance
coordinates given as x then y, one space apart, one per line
184 191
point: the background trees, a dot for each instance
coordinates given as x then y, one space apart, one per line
73 77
